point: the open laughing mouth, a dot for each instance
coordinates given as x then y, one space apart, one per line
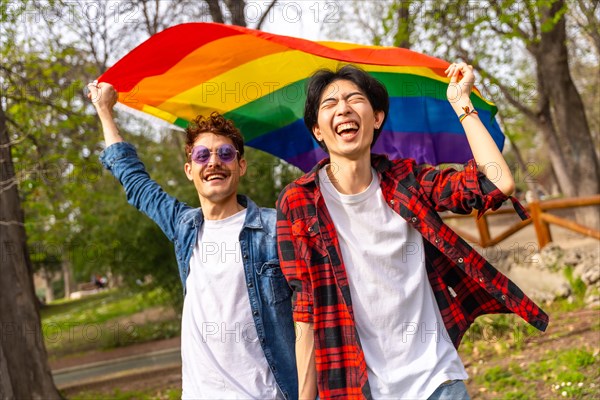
214 176
347 128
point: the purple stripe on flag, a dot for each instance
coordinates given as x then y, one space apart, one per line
305 161
424 148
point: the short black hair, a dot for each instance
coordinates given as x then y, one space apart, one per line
374 90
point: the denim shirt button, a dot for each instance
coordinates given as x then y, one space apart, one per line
255 312
250 284
245 255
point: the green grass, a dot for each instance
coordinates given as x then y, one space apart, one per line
101 321
570 373
578 286
168 394
100 307
147 332
497 334
503 332
506 381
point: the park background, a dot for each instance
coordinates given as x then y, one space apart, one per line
65 221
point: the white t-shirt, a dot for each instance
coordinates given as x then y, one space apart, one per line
220 351
407 348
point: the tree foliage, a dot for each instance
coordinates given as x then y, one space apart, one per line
75 214
538 60
505 32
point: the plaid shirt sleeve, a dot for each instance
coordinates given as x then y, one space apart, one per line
293 266
459 191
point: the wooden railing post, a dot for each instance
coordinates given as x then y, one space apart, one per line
484 230
542 229
540 217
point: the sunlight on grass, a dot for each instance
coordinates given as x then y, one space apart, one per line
100 307
102 321
497 334
571 373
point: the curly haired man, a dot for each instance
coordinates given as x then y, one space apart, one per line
237 330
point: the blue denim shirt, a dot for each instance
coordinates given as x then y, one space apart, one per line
269 293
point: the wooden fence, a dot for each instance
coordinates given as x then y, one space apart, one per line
540 218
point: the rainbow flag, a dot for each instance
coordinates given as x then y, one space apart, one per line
258 80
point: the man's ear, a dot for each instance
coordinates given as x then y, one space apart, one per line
188 171
379 117
243 166
317 133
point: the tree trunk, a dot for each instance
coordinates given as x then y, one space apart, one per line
6 391
215 11
532 185
24 370
48 275
237 10
402 38
568 110
558 157
68 277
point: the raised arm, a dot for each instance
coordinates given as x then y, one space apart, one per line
104 97
121 159
487 156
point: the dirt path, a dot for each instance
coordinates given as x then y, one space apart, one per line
95 356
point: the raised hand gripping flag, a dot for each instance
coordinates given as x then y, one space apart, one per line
258 80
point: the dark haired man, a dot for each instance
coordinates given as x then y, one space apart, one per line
237 335
383 289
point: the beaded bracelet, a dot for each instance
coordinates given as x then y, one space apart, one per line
468 112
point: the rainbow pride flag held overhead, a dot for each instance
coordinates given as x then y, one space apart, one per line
258 80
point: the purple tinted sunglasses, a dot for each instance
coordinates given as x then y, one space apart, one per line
226 153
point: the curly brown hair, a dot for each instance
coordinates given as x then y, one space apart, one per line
214 123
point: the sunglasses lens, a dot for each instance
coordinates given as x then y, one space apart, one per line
200 154
226 153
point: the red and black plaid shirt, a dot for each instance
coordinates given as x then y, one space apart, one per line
465 285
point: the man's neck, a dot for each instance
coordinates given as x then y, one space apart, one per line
217 211
350 176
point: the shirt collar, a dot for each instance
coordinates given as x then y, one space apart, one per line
380 162
252 213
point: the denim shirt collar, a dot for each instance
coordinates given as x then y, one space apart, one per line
252 221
